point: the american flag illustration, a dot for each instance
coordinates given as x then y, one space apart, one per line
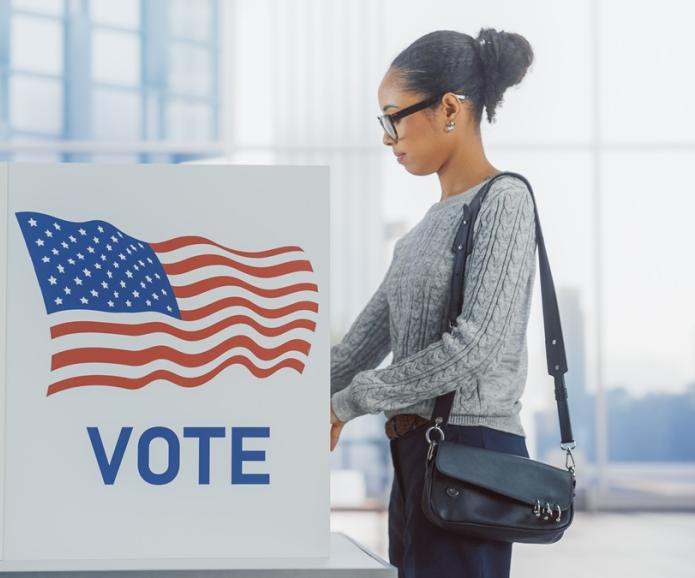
124 312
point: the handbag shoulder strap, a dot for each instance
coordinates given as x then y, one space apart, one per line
554 343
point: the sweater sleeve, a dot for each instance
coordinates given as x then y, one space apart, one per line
367 341
496 271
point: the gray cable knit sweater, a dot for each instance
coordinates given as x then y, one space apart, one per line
484 357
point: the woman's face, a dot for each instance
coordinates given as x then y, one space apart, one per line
421 135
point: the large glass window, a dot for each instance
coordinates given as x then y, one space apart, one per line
133 80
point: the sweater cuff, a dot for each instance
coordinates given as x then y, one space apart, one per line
343 406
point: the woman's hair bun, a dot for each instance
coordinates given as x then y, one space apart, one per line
505 57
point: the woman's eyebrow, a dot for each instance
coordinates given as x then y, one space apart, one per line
388 106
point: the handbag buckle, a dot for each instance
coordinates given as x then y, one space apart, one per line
537 508
432 443
434 427
569 458
548 511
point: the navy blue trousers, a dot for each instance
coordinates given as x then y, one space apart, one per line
418 548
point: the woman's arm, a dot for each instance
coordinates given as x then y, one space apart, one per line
366 343
496 271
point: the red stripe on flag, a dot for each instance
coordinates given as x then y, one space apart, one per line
187 241
199 261
136 383
215 306
73 327
166 353
211 283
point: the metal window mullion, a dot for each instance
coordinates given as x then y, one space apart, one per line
36 14
77 73
153 50
215 67
4 70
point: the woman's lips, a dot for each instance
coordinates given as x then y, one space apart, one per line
400 157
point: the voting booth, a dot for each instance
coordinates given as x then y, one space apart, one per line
165 363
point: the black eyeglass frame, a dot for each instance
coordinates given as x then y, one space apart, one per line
393 117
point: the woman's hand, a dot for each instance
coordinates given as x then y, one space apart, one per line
336 426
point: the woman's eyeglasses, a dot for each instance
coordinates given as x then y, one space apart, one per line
388 121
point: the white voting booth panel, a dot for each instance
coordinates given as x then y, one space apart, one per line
166 362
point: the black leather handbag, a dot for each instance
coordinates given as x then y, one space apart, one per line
490 494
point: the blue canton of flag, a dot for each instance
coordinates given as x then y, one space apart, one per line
93 265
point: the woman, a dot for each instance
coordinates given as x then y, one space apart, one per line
447 78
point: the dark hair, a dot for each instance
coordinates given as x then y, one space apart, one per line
482 68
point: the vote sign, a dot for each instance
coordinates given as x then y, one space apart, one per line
166 375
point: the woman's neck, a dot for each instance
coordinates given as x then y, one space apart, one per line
465 181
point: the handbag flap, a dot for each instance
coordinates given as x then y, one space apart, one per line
511 475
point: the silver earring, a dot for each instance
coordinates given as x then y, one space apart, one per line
450 126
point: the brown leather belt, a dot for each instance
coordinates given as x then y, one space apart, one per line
403 423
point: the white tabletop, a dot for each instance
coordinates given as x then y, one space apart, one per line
347 558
